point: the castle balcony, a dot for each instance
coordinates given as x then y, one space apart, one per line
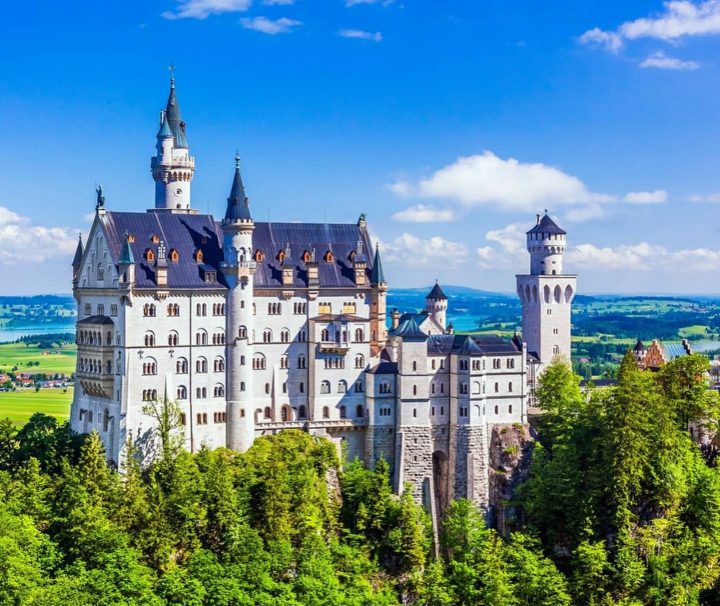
96 384
245 269
317 424
334 347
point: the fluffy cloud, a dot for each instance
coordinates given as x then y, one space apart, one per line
646 197
201 9
270 26
22 242
643 257
361 34
678 19
413 251
660 60
711 198
487 180
422 213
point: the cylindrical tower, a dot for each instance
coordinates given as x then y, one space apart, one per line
436 304
238 268
546 245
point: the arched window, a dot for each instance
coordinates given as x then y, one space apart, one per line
219 391
285 414
359 411
258 362
556 350
325 387
302 361
325 335
302 412
497 387
149 339
242 332
173 339
267 336
149 366
342 386
359 387
476 387
218 338
510 386
343 412
201 337
201 365
326 412
284 361
359 361
266 413
219 364
181 392
181 366
359 335
285 336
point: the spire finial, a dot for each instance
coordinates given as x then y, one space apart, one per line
237 159
171 67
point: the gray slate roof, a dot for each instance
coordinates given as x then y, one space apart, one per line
437 293
547 226
188 233
481 345
96 320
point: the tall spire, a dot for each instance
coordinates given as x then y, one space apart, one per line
377 275
237 204
127 258
77 259
173 118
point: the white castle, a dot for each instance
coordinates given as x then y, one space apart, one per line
261 327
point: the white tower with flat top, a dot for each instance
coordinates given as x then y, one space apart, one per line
546 294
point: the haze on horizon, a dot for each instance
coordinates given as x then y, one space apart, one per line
450 124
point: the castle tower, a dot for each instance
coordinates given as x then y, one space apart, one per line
436 304
172 167
238 267
378 306
546 293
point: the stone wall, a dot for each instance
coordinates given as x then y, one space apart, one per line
380 443
413 460
471 464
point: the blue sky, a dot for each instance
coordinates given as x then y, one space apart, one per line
449 123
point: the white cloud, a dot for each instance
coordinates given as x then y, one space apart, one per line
422 213
680 18
23 242
597 37
201 9
646 197
270 26
512 238
487 180
711 198
413 251
643 257
361 35
660 60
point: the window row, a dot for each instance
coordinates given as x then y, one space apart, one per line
90 366
93 337
341 336
101 309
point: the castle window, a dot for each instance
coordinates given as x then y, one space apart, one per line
242 332
219 365
266 413
274 309
497 387
496 409
497 363
88 309
359 387
258 362
181 366
349 307
284 387
326 412
511 363
149 339
173 310
242 412
218 338
173 339
267 388
201 365
325 387
100 272
201 338
302 412
131 238
182 392
342 386
259 256
306 257
549 312
155 239
343 412
328 257
432 388
510 409
242 385
174 255
414 366
359 361
325 335
302 362
359 411
149 367
201 392
283 361
113 310
415 415
299 308
556 331
510 386
149 255
149 310
183 419
198 255
267 336
432 364
219 391
556 350
301 387
201 309
463 388
284 335
384 387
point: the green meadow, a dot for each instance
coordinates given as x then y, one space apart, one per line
15 357
20 405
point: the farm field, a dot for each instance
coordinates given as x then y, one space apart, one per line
20 405
14 357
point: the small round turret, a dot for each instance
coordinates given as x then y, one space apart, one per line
546 245
436 304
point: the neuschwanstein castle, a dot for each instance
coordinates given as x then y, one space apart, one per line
258 327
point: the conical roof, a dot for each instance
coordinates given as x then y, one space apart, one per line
237 204
409 330
77 259
546 225
165 130
173 118
127 258
377 276
436 293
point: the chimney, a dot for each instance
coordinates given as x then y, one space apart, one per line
395 315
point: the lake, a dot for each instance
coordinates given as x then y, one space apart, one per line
8 335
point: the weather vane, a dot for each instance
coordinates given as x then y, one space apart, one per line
171 67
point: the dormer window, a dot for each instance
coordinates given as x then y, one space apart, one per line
351 256
281 256
155 239
259 256
210 276
306 256
174 255
149 255
130 238
198 256
329 257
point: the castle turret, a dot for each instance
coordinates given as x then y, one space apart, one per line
546 293
238 267
126 266
436 304
378 308
172 167
77 261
